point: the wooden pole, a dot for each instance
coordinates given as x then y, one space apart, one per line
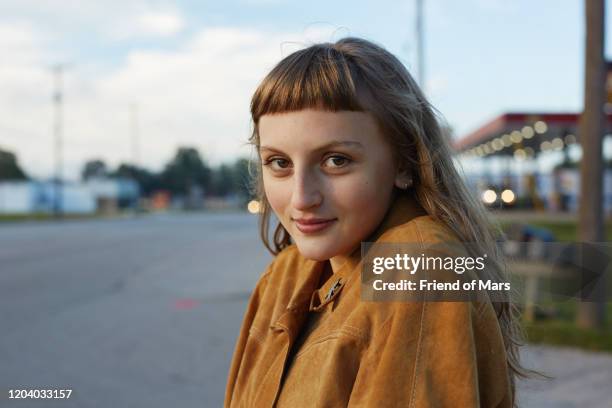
592 314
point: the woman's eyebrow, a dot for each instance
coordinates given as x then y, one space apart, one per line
268 148
335 143
341 143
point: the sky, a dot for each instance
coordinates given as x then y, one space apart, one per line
181 73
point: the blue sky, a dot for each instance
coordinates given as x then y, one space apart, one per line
191 66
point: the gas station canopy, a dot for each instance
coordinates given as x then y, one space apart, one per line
523 134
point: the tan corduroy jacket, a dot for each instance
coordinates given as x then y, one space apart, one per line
298 348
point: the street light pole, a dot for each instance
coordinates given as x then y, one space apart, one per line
134 134
58 140
420 43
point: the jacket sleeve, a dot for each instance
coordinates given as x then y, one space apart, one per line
247 321
435 354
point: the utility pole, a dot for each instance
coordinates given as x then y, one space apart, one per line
420 43
134 134
58 71
592 314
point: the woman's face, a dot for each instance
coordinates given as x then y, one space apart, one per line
328 176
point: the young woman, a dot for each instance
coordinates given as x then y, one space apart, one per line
351 151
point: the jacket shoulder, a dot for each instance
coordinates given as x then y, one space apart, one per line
422 230
287 272
286 260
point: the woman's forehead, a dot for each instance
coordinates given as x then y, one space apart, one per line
317 127
307 138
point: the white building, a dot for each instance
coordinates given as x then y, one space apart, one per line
23 197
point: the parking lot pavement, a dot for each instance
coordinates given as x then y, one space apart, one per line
580 378
145 312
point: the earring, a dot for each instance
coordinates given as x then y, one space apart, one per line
406 184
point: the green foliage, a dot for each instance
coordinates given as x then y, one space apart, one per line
231 179
147 180
186 170
222 181
242 178
556 324
94 169
45 216
559 327
562 333
9 168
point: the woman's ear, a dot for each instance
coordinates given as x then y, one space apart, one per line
403 180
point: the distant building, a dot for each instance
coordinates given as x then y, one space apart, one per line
113 194
534 156
95 195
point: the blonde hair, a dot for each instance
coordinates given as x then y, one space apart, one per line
357 75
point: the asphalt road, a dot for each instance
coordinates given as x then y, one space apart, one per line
127 313
144 312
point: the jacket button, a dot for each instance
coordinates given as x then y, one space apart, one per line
332 289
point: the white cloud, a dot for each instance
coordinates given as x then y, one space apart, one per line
21 43
25 80
436 85
197 94
149 24
112 19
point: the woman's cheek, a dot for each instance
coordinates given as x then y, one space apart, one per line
357 193
277 196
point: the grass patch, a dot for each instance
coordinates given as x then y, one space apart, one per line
564 231
558 327
555 322
562 333
46 217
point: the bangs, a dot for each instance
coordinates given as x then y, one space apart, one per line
319 77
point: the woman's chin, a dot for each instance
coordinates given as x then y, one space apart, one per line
314 251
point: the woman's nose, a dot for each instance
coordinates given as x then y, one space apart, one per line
306 191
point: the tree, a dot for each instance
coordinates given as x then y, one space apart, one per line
94 169
9 168
185 170
222 181
232 178
147 181
242 178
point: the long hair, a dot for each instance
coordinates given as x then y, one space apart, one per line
357 75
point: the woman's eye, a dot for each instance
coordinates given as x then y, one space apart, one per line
277 163
336 161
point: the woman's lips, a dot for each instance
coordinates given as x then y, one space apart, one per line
312 226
